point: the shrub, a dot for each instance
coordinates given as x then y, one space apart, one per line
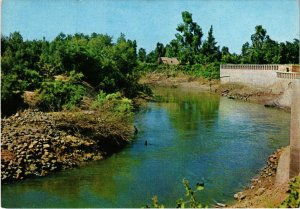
293 200
211 71
62 94
115 103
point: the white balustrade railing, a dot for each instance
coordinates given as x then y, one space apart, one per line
288 75
250 67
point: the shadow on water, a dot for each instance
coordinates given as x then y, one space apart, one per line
194 135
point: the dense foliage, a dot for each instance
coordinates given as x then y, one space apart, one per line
87 62
203 58
293 200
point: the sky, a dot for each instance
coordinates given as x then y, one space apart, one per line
151 21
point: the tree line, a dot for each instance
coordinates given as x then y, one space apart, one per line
94 63
190 48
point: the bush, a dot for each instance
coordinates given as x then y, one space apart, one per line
115 103
293 200
211 71
62 94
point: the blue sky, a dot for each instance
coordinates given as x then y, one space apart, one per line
152 21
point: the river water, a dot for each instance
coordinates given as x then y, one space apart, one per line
194 135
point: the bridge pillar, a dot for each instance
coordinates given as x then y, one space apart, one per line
295 131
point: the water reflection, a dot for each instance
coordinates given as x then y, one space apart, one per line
189 110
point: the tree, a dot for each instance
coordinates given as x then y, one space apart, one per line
210 48
270 49
172 49
159 51
142 55
227 57
245 53
189 38
289 52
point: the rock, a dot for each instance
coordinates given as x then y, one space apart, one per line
44 173
18 172
260 191
220 205
35 144
32 145
272 160
239 196
45 146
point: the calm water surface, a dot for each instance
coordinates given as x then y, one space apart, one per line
194 135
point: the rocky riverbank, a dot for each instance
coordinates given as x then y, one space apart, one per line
36 143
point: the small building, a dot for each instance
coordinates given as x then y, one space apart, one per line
168 61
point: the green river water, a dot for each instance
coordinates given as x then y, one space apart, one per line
194 135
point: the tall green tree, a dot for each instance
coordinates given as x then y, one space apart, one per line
172 49
142 55
189 37
227 57
289 52
210 49
160 50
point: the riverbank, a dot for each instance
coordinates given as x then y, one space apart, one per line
276 97
36 143
263 192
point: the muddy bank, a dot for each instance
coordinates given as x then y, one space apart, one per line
36 143
264 96
180 80
270 97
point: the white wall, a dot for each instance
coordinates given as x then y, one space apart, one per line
262 78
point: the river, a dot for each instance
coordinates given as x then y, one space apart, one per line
194 135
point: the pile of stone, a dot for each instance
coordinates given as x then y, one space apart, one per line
33 145
272 163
